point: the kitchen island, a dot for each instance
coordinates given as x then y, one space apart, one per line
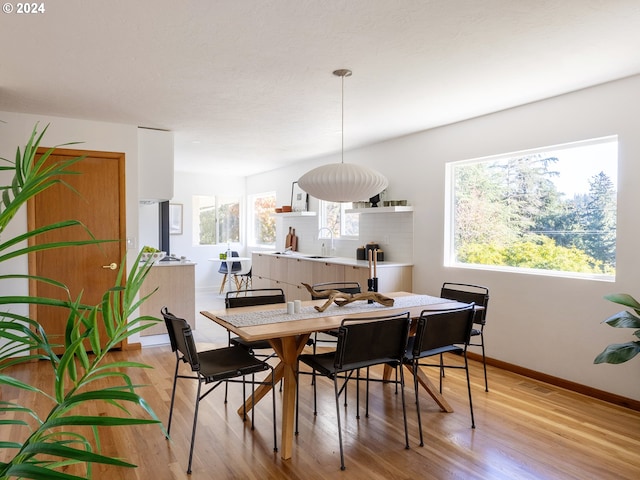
175 282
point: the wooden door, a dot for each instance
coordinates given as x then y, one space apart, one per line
99 203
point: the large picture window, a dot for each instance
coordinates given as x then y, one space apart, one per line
550 210
217 219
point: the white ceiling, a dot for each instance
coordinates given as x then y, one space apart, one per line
247 85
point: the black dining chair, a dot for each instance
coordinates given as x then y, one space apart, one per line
344 287
250 298
439 332
468 293
216 366
362 343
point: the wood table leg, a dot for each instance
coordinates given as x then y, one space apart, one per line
431 389
287 349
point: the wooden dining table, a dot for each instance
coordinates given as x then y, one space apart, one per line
288 335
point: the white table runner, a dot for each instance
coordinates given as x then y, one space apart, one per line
265 317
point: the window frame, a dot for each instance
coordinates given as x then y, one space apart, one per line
450 252
322 221
218 201
251 219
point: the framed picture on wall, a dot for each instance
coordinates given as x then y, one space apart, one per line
299 199
175 218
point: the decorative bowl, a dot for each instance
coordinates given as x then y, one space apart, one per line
156 256
286 208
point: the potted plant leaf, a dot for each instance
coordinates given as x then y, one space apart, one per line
622 352
43 443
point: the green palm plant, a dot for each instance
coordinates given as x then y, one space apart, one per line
53 439
621 352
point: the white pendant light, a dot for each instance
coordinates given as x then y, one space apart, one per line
343 182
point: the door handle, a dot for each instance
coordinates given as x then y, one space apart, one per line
111 266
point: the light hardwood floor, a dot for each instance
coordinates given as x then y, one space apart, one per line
525 430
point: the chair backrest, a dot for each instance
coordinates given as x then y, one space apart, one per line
344 287
437 329
370 341
181 338
250 298
235 266
468 293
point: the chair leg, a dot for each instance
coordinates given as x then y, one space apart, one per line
315 342
415 388
396 369
404 407
335 388
195 423
253 400
366 401
441 372
273 401
295 431
244 405
224 280
466 368
484 362
358 393
226 384
173 397
315 397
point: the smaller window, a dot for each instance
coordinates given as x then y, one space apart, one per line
262 225
333 216
217 220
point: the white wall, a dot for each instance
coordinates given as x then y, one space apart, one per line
187 185
548 324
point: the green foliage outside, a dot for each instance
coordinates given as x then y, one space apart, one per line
340 223
219 223
510 213
265 225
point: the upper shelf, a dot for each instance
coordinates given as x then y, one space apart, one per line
294 214
407 208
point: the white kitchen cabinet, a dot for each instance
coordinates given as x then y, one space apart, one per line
325 271
288 273
155 165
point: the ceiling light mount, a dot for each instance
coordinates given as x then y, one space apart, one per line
343 182
343 72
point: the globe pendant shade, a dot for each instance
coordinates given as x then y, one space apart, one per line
343 182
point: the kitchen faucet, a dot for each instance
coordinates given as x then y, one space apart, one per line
331 249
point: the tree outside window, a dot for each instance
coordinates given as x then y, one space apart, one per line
262 224
217 219
552 209
333 216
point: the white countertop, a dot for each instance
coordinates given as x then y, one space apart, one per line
173 264
351 262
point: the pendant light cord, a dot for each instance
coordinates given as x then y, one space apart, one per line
342 73
342 127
